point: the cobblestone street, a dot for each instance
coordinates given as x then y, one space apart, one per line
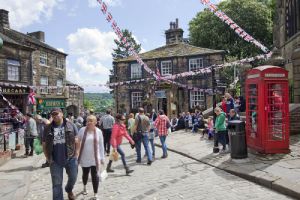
176 177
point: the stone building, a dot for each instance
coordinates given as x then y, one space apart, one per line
44 67
175 57
75 96
287 41
15 72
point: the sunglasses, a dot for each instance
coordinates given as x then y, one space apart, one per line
123 119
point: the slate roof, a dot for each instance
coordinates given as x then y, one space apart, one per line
19 37
173 50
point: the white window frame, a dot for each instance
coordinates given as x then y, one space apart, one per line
166 67
135 71
13 70
59 84
196 98
60 63
136 99
43 58
195 65
44 90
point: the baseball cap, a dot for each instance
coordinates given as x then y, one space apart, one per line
55 110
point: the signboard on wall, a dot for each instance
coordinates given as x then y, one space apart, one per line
160 94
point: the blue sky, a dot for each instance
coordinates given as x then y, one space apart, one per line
78 28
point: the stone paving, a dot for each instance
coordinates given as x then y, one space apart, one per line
176 177
280 172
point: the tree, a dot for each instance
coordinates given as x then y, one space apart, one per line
207 30
121 51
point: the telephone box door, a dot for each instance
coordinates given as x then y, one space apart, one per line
277 107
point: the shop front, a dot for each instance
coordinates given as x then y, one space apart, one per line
44 106
13 102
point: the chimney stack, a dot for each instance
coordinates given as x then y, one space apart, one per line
40 35
4 19
175 34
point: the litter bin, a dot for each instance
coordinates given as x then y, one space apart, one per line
237 138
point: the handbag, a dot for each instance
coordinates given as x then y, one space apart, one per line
114 156
38 148
139 133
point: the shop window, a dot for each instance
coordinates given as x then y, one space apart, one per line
43 58
136 99
195 64
13 69
166 68
60 63
196 98
136 71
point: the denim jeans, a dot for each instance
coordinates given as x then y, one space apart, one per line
221 135
163 144
138 146
57 177
121 152
152 147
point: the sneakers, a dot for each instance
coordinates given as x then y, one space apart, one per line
96 197
110 170
223 151
84 192
149 162
31 153
71 196
46 164
138 161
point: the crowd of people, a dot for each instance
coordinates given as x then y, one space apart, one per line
85 141
88 139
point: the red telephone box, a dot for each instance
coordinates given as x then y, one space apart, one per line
267 109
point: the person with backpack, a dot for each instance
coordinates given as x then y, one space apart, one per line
162 123
141 129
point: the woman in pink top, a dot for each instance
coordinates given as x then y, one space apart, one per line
118 132
162 123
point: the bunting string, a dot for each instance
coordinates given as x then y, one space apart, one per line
237 29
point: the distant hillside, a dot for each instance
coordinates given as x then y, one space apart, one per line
98 101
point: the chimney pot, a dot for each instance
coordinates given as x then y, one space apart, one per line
4 18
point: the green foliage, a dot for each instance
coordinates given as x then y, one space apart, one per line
100 102
207 30
121 51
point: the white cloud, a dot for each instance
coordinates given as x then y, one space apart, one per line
92 69
61 50
23 13
92 43
94 3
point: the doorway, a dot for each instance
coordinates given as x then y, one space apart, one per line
163 105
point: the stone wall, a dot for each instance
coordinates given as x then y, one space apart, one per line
175 96
20 54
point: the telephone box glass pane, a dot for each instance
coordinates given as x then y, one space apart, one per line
253 108
275 103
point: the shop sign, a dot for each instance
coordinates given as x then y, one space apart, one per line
51 103
5 90
160 94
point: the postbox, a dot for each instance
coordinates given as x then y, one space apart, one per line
267 109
